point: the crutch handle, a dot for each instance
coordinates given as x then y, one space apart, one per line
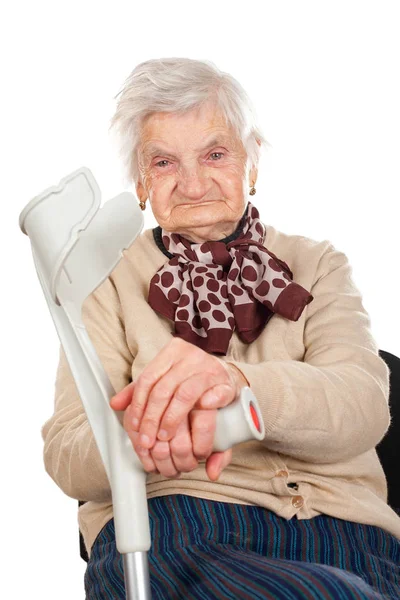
240 421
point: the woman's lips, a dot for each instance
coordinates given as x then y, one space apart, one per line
194 203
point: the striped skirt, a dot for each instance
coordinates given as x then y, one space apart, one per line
203 549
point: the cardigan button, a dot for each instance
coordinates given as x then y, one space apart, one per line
282 473
297 501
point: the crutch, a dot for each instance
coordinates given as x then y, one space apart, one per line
75 247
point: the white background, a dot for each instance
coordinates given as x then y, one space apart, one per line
324 79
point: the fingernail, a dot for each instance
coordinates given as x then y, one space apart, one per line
143 451
135 424
145 440
210 402
162 434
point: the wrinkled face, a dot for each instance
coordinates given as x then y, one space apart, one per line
193 171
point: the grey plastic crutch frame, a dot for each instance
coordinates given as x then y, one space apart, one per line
75 247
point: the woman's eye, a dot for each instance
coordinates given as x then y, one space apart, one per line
219 153
161 161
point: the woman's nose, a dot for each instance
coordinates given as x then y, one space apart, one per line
193 182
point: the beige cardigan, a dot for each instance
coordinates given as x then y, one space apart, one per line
321 384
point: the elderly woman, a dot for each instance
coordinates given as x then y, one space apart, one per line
209 301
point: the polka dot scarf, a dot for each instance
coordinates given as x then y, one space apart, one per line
213 288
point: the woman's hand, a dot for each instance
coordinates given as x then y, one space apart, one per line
181 454
180 378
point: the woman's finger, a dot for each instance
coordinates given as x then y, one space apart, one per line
122 400
217 397
158 401
217 462
161 455
182 449
153 372
143 454
202 425
189 393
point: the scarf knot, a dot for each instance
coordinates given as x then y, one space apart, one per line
220 254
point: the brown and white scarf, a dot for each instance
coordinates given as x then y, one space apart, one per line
213 288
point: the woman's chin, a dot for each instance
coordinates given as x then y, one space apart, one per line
205 231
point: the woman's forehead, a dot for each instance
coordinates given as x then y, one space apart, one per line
201 128
206 117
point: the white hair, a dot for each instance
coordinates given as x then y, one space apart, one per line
177 85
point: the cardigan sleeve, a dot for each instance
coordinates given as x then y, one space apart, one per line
333 405
71 456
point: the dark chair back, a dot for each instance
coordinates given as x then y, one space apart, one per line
388 449
82 547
